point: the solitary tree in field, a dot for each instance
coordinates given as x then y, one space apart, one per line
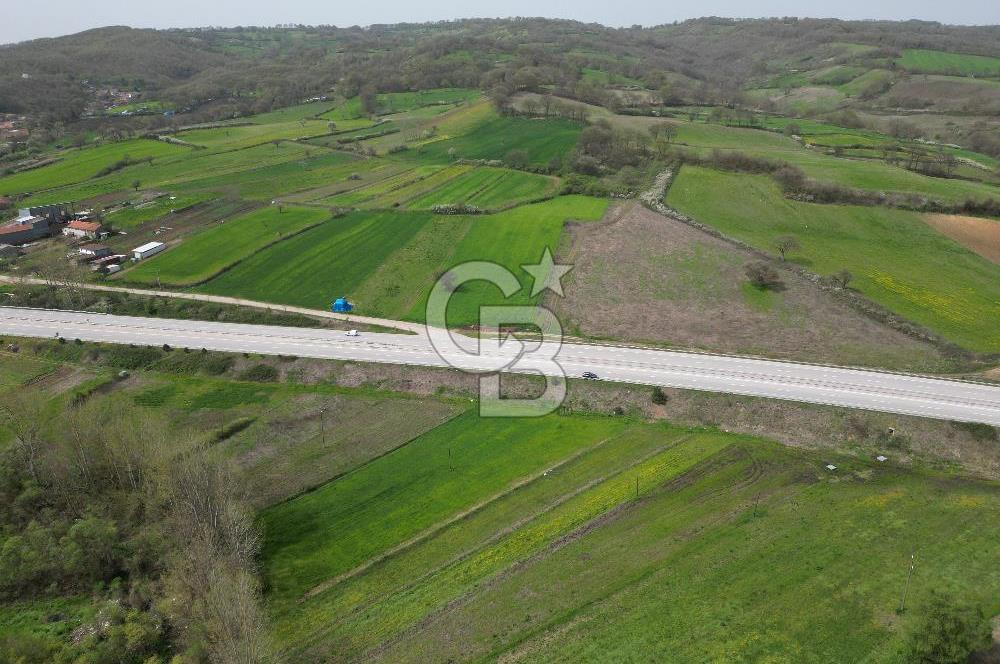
763 276
332 126
948 632
786 243
842 278
136 184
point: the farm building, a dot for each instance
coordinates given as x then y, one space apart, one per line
55 212
24 229
106 264
88 229
147 250
95 251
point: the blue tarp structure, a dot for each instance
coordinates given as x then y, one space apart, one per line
341 306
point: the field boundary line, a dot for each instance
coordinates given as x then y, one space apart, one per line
455 518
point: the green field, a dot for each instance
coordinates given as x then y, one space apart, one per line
369 195
82 164
388 261
423 187
486 188
134 215
211 251
938 62
244 136
490 538
314 268
268 182
511 238
542 140
887 250
399 102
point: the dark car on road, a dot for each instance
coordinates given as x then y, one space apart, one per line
589 375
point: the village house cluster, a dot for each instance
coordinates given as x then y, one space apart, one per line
47 221
13 129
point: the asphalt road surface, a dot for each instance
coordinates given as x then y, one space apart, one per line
854 388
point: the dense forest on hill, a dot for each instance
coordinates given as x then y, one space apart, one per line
221 72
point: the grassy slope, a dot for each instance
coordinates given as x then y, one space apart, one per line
888 251
211 251
486 188
511 238
695 572
173 171
543 140
79 165
229 138
331 530
939 62
132 216
267 182
567 566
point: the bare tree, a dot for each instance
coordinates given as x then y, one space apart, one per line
786 243
762 275
842 278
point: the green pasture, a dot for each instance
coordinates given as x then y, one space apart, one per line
78 165
248 135
315 267
580 538
387 261
327 532
542 139
268 182
131 216
862 82
168 172
207 253
399 102
486 188
925 61
887 250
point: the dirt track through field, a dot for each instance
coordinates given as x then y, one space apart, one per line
980 235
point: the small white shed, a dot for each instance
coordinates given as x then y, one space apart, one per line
147 250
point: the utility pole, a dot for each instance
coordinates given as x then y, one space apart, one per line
756 500
906 588
637 487
322 425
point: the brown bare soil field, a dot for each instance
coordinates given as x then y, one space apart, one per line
980 235
642 277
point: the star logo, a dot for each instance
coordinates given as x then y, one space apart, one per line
547 274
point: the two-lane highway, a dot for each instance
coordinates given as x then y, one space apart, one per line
854 388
